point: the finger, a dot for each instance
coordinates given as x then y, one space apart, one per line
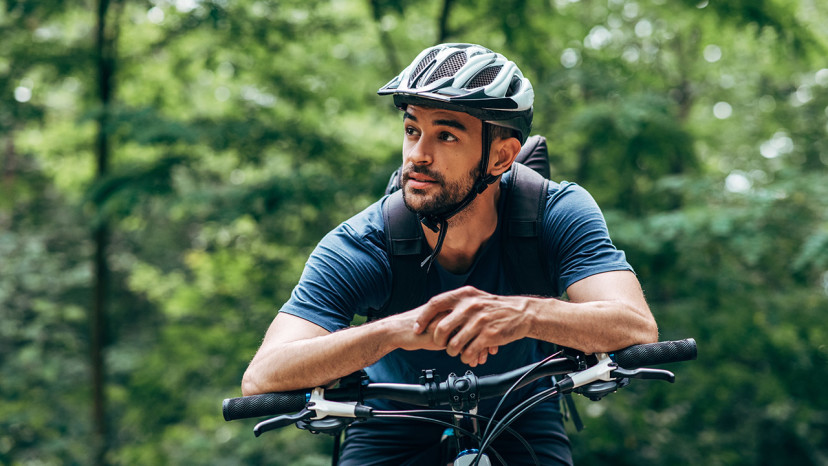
435 321
466 341
457 293
447 329
477 346
426 316
428 311
432 326
466 308
474 357
459 339
483 357
449 299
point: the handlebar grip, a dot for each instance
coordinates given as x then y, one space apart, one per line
267 404
656 353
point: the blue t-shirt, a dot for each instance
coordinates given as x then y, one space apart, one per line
349 273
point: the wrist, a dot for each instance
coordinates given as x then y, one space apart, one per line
533 310
388 332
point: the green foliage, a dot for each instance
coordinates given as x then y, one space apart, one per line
243 131
757 317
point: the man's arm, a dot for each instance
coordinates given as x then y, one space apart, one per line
298 354
606 312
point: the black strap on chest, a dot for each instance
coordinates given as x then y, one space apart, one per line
524 265
407 248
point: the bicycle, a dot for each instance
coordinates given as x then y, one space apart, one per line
330 411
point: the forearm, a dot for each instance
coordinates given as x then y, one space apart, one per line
316 361
607 312
595 326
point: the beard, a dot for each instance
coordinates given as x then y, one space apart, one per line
450 194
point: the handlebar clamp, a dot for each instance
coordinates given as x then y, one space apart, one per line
463 391
431 380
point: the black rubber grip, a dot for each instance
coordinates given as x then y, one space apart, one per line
268 404
656 353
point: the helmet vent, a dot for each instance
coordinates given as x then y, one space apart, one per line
514 86
422 66
485 77
449 67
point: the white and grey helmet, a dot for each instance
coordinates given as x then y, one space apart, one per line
467 78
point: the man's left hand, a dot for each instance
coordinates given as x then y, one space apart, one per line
472 323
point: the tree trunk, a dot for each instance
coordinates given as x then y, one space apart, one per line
104 46
442 27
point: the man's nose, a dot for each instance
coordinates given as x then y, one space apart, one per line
419 153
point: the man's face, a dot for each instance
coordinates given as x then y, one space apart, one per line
441 157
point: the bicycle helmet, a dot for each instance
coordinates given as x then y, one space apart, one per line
472 79
467 78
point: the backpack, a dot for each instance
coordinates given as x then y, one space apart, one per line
525 203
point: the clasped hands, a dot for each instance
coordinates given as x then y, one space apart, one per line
469 323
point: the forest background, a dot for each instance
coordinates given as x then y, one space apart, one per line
166 166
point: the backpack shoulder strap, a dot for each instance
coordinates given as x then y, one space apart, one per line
521 254
406 250
524 265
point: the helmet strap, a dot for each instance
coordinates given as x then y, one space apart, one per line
438 223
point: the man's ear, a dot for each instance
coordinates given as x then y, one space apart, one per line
502 155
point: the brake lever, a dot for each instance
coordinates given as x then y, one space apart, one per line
282 421
644 373
597 390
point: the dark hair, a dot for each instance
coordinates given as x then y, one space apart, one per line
502 132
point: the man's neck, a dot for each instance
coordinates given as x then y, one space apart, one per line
468 232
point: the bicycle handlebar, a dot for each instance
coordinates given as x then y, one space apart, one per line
270 404
266 404
653 354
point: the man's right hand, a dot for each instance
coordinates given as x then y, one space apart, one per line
415 316
405 336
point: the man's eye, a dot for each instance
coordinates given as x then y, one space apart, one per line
446 136
410 131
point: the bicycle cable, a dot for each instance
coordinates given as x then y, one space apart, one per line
479 439
467 432
518 411
508 392
517 382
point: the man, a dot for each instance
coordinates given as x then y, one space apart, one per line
467 111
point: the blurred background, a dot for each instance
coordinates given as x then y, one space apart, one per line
166 166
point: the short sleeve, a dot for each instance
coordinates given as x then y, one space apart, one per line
346 274
576 236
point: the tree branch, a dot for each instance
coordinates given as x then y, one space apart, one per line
385 38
